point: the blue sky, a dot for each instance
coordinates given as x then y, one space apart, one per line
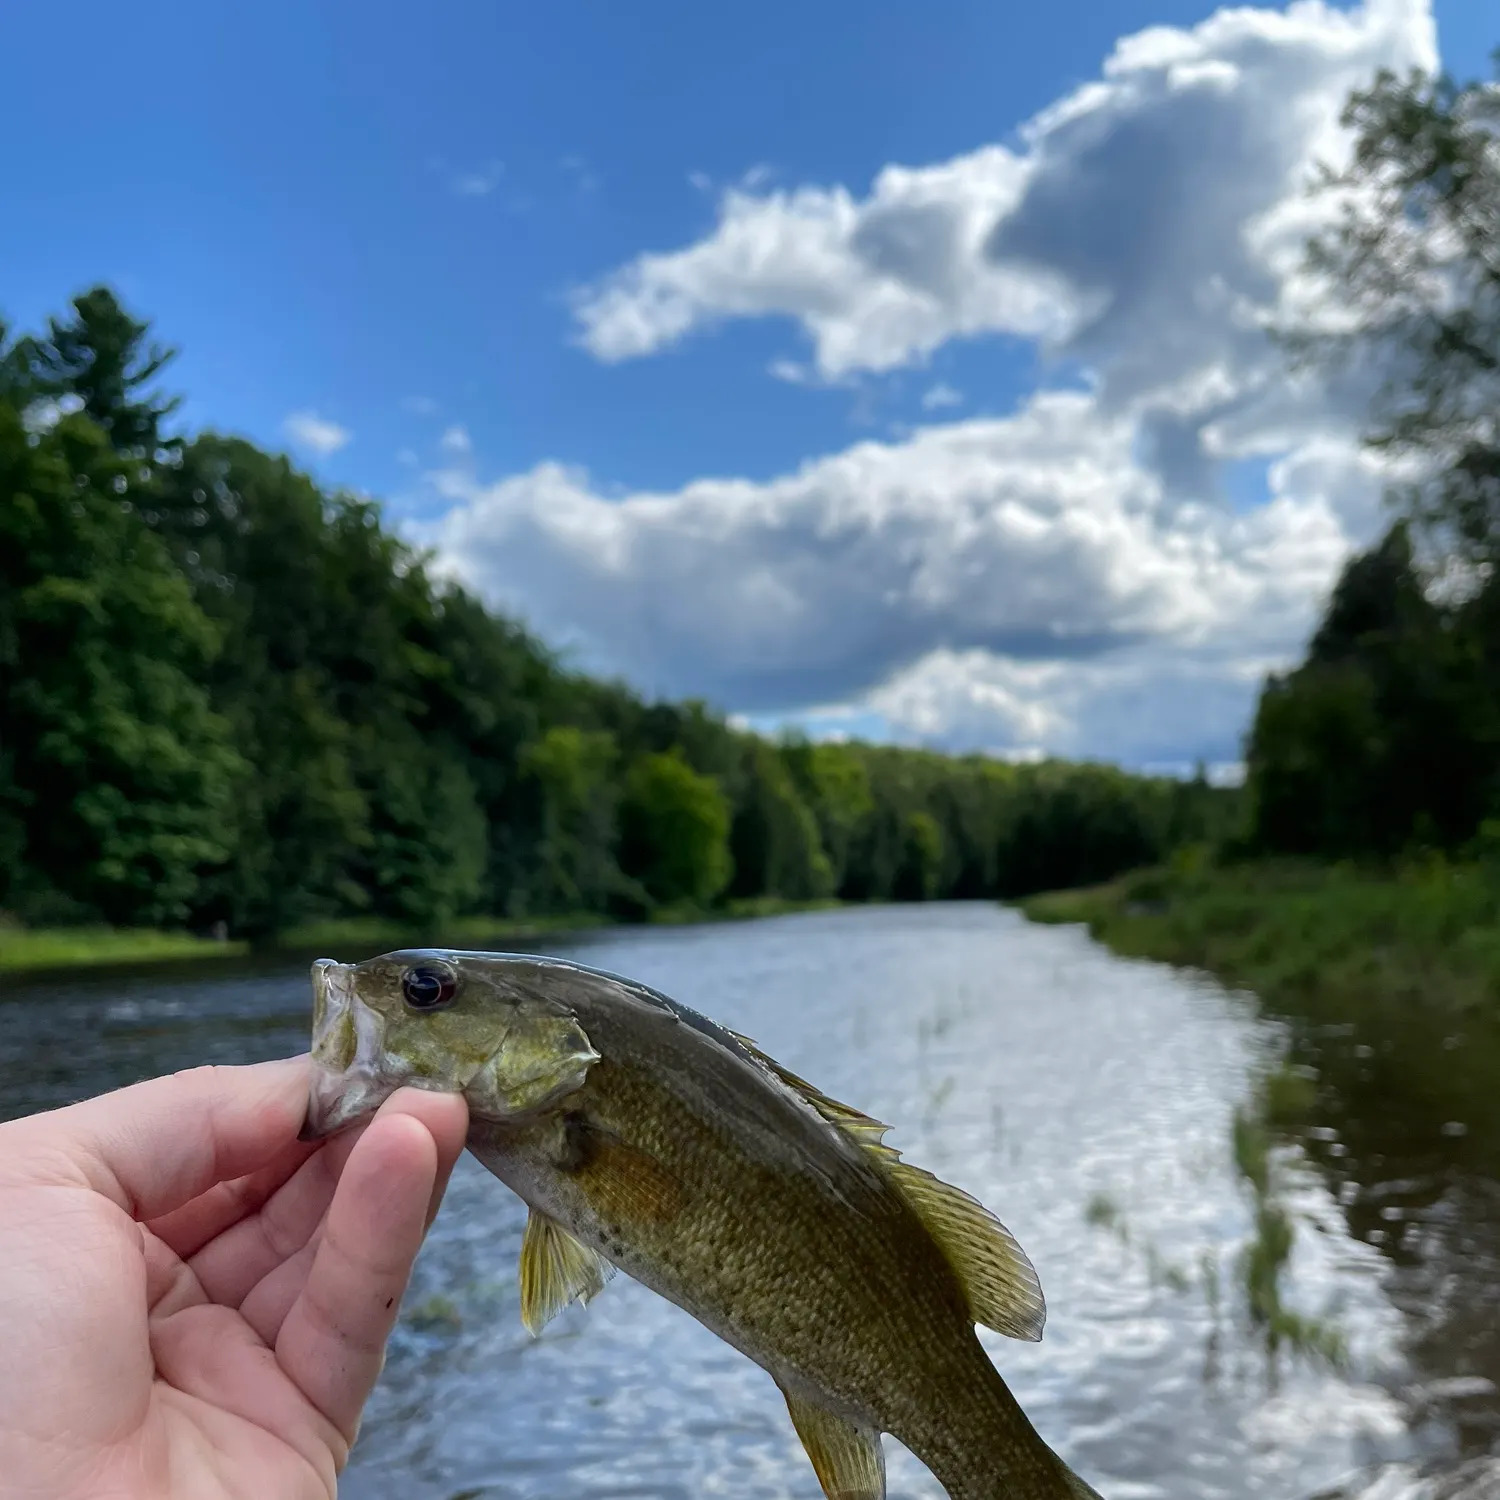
383 227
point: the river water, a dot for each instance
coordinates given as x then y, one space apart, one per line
1088 1100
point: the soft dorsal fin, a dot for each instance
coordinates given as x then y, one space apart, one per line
555 1270
997 1276
848 1460
999 1281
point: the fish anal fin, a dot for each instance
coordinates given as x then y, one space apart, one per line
848 1460
998 1279
556 1269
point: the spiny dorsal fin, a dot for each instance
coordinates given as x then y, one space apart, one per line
999 1281
556 1269
848 1460
867 1131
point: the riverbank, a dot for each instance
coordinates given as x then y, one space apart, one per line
1425 934
29 950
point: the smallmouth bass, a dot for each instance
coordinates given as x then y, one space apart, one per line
643 1136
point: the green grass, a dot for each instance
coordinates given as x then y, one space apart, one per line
67 947
1426 934
740 909
368 935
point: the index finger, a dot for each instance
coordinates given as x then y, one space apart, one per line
156 1145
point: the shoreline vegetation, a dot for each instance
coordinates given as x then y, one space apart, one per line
1423 933
36 952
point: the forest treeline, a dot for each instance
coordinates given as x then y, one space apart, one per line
1386 739
229 696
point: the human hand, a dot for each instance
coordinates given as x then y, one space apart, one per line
193 1303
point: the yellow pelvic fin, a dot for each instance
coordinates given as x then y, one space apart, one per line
848 1460
998 1279
555 1270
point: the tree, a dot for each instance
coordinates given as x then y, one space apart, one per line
119 777
1413 268
15 375
674 830
427 835
774 839
921 858
835 784
1378 598
100 359
573 771
1314 762
1389 733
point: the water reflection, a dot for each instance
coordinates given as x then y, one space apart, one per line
1403 1129
1091 1102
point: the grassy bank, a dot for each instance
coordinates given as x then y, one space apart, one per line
63 947
70 947
1425 934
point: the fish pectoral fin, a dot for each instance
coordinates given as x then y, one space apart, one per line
556 1270
848 1460
999 1281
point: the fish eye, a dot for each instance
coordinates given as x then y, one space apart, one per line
429 986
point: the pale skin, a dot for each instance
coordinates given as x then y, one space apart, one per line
193 1303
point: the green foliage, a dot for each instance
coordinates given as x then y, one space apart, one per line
574 772
118 777
921 870
231 698
835 783
674 827
1387 738
1366 939
72 947
97 361
775 842
1412 258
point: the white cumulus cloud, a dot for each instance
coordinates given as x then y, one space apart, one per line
1072 577
315 434
1156 192
986 582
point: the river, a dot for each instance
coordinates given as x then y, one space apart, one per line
1089 1101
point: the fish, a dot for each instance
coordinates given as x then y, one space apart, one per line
646 1138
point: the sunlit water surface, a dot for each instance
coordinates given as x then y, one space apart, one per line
1087 1100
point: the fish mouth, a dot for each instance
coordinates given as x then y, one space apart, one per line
349 1081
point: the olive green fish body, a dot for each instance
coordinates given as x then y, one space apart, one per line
692 1162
